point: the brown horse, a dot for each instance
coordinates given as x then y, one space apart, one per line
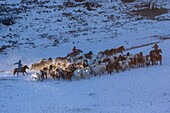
156 56
23 70
117 50
140 59
110 68
88 55
133 62
108 52
120 49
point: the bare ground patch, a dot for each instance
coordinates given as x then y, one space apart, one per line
164 38
150 13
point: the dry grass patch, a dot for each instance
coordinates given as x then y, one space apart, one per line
150 13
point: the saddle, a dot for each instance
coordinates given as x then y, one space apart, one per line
19 69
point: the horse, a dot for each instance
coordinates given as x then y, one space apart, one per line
73 55
109 68
82 73
155 59
157 51
78 51
147 60
88 55
23 70
140 59
37 76
108 52
67 75
120 49
156 56
41 64
114 51
61 59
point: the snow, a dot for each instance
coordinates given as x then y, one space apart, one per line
140 90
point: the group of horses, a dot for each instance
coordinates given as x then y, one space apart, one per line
79 65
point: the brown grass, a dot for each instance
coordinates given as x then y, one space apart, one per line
150 13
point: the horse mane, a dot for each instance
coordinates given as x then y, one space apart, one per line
42 60
50 59
24 65
122 47
90 52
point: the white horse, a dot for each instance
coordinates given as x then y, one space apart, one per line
124 65
96 69
82 73
37 76
78 73
86 72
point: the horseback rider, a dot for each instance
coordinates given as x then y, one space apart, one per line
74 50
155 46
19 65
156 50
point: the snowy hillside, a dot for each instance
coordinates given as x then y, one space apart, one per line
51 28
58 24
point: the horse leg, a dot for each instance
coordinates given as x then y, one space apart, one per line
14 73
152 62
161 59
161 62
117 71
156 62
23 73
26 72
46 75
143 63
17 73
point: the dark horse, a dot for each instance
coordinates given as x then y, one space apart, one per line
73 55
88 55
23 70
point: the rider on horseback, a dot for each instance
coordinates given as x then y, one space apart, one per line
156 50
74 50
155 46
19 65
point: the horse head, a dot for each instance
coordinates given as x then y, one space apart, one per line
123 48
90 52
79 51
68 55
25 67
160 50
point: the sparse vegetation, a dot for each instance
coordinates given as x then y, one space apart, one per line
128 0
7 20
58 24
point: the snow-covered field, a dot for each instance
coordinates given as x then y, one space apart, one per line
140 90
